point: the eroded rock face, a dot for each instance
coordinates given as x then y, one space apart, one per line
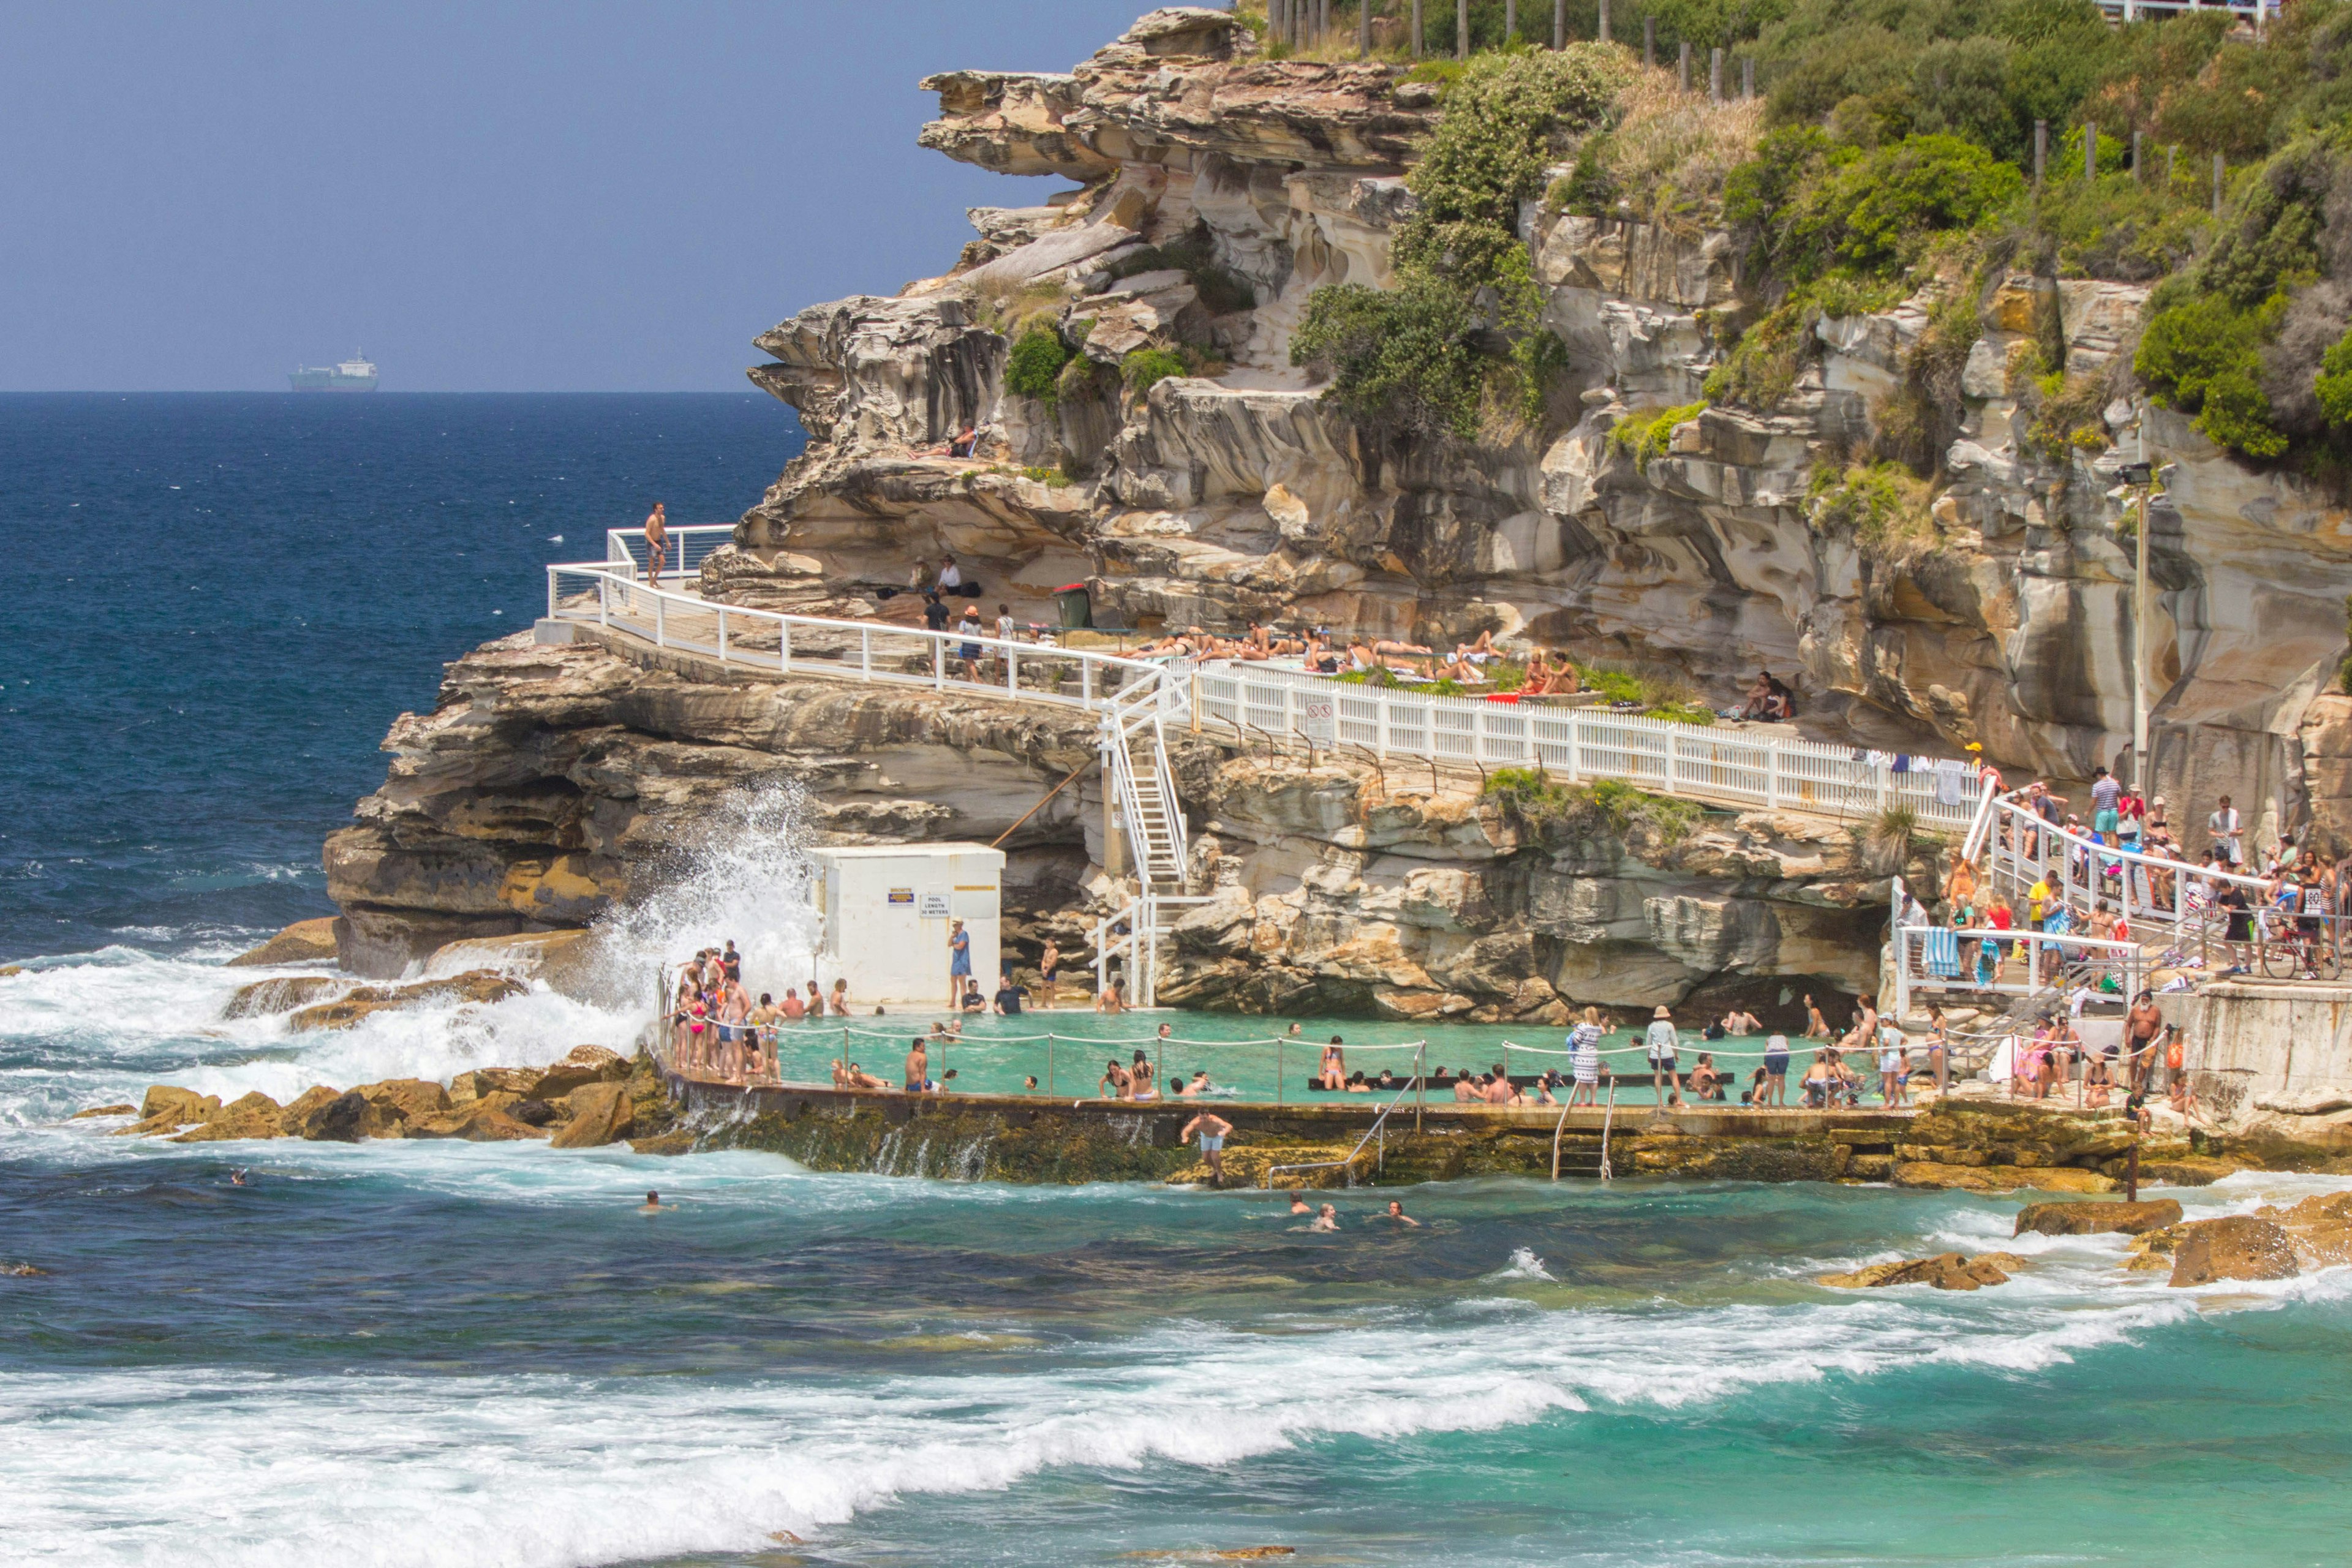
1219 500
1334 888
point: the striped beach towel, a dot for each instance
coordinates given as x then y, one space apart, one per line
1941 952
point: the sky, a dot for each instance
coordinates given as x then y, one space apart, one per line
583 196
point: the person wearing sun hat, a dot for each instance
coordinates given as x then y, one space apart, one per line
1660 1043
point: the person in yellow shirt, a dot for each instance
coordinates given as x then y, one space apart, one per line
2037 903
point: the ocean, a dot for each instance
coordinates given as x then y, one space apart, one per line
436 1353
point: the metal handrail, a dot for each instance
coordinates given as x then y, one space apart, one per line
1303 708
1419 1056
2058 850
1146 689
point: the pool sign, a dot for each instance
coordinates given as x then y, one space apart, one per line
1315 720
902 895
935 907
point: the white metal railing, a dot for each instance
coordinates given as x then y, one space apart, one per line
2142 10
2019 848
1690 760
1129 691
682 557
2026 962
1137 944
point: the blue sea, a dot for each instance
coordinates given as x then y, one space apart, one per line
427 1353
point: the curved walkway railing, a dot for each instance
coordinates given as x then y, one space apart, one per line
1695 761
608 594
2017 848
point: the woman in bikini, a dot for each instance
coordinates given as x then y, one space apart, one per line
1332 1072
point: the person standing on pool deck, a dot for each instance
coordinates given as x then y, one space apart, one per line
657 543
958 962
1584 1058
919 1067
1775 1071
1661 1042
1212 1128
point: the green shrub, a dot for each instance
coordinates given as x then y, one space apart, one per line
1645 435
2205 358
1764 364
1811 206
1463 317
2344 668
1055 479
2333 386
1589 190
2119 227
2064 415
1035 366
1143 368
1404 358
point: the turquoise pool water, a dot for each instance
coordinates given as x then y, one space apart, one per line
1067 1052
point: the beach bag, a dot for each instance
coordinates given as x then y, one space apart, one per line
2175 1055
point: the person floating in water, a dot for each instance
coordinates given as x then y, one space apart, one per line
653 1205
1396 1212
1326 1218
1298 1204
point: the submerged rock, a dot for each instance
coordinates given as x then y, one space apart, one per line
254 1115
304 942
1944 1271
585 1065
2237 1246
2095 1219
264 998
476 1121
601 1113
2002 1178
478 986
346 1119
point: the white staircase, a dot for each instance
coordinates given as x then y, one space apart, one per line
1135 747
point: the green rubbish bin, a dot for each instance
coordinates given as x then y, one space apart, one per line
1076 607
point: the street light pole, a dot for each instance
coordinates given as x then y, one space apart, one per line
2141 477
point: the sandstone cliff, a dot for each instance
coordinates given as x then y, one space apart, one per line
1236 494
554 785
1214 191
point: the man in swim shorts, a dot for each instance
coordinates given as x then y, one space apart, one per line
1212 1128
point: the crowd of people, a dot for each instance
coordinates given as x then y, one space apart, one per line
2088 878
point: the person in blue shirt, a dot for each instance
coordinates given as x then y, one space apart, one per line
958 962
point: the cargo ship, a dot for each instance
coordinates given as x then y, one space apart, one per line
356 373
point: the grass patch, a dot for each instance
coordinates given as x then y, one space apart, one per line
1883 507
1581 810
1645 435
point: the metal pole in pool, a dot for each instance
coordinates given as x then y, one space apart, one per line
1277 1070
1049 1064
1160 1068
1420 1079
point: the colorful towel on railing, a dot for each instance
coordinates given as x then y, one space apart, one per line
1942 952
